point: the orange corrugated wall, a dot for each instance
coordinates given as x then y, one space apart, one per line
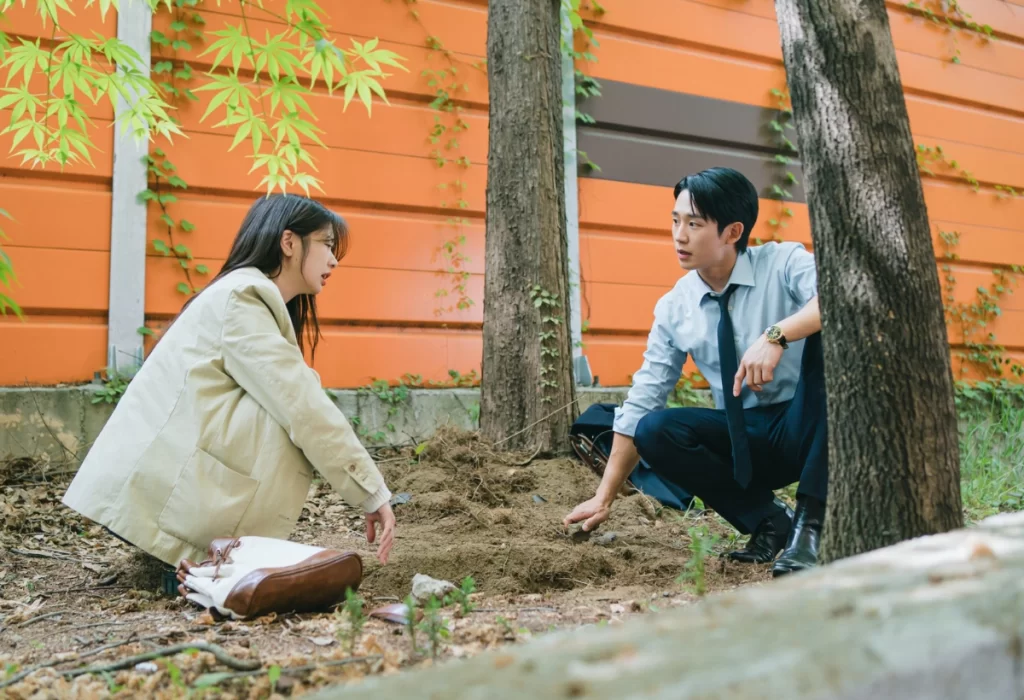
59 240
379 310
729 49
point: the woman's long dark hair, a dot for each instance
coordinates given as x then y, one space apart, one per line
258 244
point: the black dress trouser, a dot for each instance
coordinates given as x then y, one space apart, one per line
788 443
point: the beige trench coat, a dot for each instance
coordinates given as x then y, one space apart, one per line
218 433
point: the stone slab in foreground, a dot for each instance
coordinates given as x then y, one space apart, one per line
937 617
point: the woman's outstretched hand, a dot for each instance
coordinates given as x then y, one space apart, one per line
385 519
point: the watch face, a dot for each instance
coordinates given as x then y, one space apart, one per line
774 332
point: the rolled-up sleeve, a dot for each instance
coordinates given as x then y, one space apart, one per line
800 275
272 370
660 372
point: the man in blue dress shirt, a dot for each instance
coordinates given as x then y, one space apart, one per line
749 317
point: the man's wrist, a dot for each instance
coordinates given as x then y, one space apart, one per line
604 497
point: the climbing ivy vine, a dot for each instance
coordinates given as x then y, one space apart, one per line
162 175
587 87
551 319
780 126
448 84
447 81
982 351
951 15
175 79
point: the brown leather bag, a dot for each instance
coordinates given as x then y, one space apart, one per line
247 577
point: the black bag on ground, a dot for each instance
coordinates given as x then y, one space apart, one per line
591 438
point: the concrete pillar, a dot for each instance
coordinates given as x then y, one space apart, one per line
572 209
126 312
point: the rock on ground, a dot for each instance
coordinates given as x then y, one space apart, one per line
424 586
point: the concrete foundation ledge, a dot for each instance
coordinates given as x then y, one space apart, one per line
57 426
937 617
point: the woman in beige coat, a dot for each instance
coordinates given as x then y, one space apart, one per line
219 432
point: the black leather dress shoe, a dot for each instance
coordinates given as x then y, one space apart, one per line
767 541
802 546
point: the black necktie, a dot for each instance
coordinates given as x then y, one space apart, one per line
733 404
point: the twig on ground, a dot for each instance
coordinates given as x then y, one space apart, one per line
84 655
669 545
97 624
518 610
83 589
40 478
40 618
528 459
218 653
28 671
132 639
397 448
37 554
299 669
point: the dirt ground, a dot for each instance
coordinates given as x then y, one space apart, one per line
72 597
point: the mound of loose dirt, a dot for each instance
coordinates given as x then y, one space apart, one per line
477 512
73 595
472 511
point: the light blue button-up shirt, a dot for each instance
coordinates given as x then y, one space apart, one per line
774 281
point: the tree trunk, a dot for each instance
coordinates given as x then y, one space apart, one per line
893 449
528 393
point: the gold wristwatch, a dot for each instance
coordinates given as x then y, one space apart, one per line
774 335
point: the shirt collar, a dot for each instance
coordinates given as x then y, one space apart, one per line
742 276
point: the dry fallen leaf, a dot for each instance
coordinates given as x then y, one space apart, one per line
205 619
25 613
397 613
322 641
372 645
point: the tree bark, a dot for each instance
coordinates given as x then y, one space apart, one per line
893 443
527 388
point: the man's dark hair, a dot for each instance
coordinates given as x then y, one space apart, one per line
723 195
